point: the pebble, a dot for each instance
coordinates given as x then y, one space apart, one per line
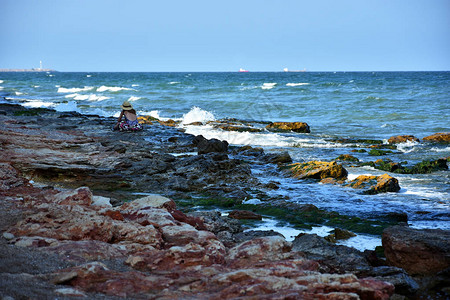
8 236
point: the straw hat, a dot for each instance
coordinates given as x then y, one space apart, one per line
127 106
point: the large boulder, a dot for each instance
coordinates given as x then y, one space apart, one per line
402 139
418 251
300 127
441 137
318 170
375 184
207 146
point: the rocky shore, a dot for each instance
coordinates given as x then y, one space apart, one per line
88 212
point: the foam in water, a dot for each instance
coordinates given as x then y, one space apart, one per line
18 93
88 76
359 242
407 146
196 114
112 89
74 90
268 86
174 82
133 98
297 84
1 81
69 106
91 97
37 103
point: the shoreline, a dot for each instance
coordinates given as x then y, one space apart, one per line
69 150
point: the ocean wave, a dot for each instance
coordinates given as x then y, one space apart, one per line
74 90
88 75
134 98
134 85
90 97
407 147
1 81
174 82
297 84
268 85
196 114
37 104
104 88
18 93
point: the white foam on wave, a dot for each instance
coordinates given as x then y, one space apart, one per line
74 90
268 85
36 86
238 138
37 103
135 85
1 81
18 93
446 149
196 114
134 98
174 82
1 88
69 106
359 242
88 75
297 84
104 88
90 97
407 147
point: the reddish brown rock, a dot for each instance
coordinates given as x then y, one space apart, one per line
441 137
244 214
300 127
318 170
375 184
418 251
80 196
402 139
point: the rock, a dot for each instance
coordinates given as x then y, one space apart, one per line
402 139
333 258
101 201
278 158
80 196
170 123
207 146
244 214
155 201
269 248
375 184
318 170
342 234
300 127
347 157
418 251
441 137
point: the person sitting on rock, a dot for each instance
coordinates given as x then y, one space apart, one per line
130 122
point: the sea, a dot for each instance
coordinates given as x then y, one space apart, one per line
336 105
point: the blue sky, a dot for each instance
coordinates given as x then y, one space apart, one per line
258 35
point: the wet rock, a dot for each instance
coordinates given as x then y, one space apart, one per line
375 184
278 158
207 146
244 214
418 251
318 170
402 139
441 137
333 258
300 127
347 157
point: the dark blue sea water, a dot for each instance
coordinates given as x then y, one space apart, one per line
364 105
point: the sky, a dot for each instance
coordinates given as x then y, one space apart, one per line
198 35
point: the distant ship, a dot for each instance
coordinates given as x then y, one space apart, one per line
287 70
243 70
